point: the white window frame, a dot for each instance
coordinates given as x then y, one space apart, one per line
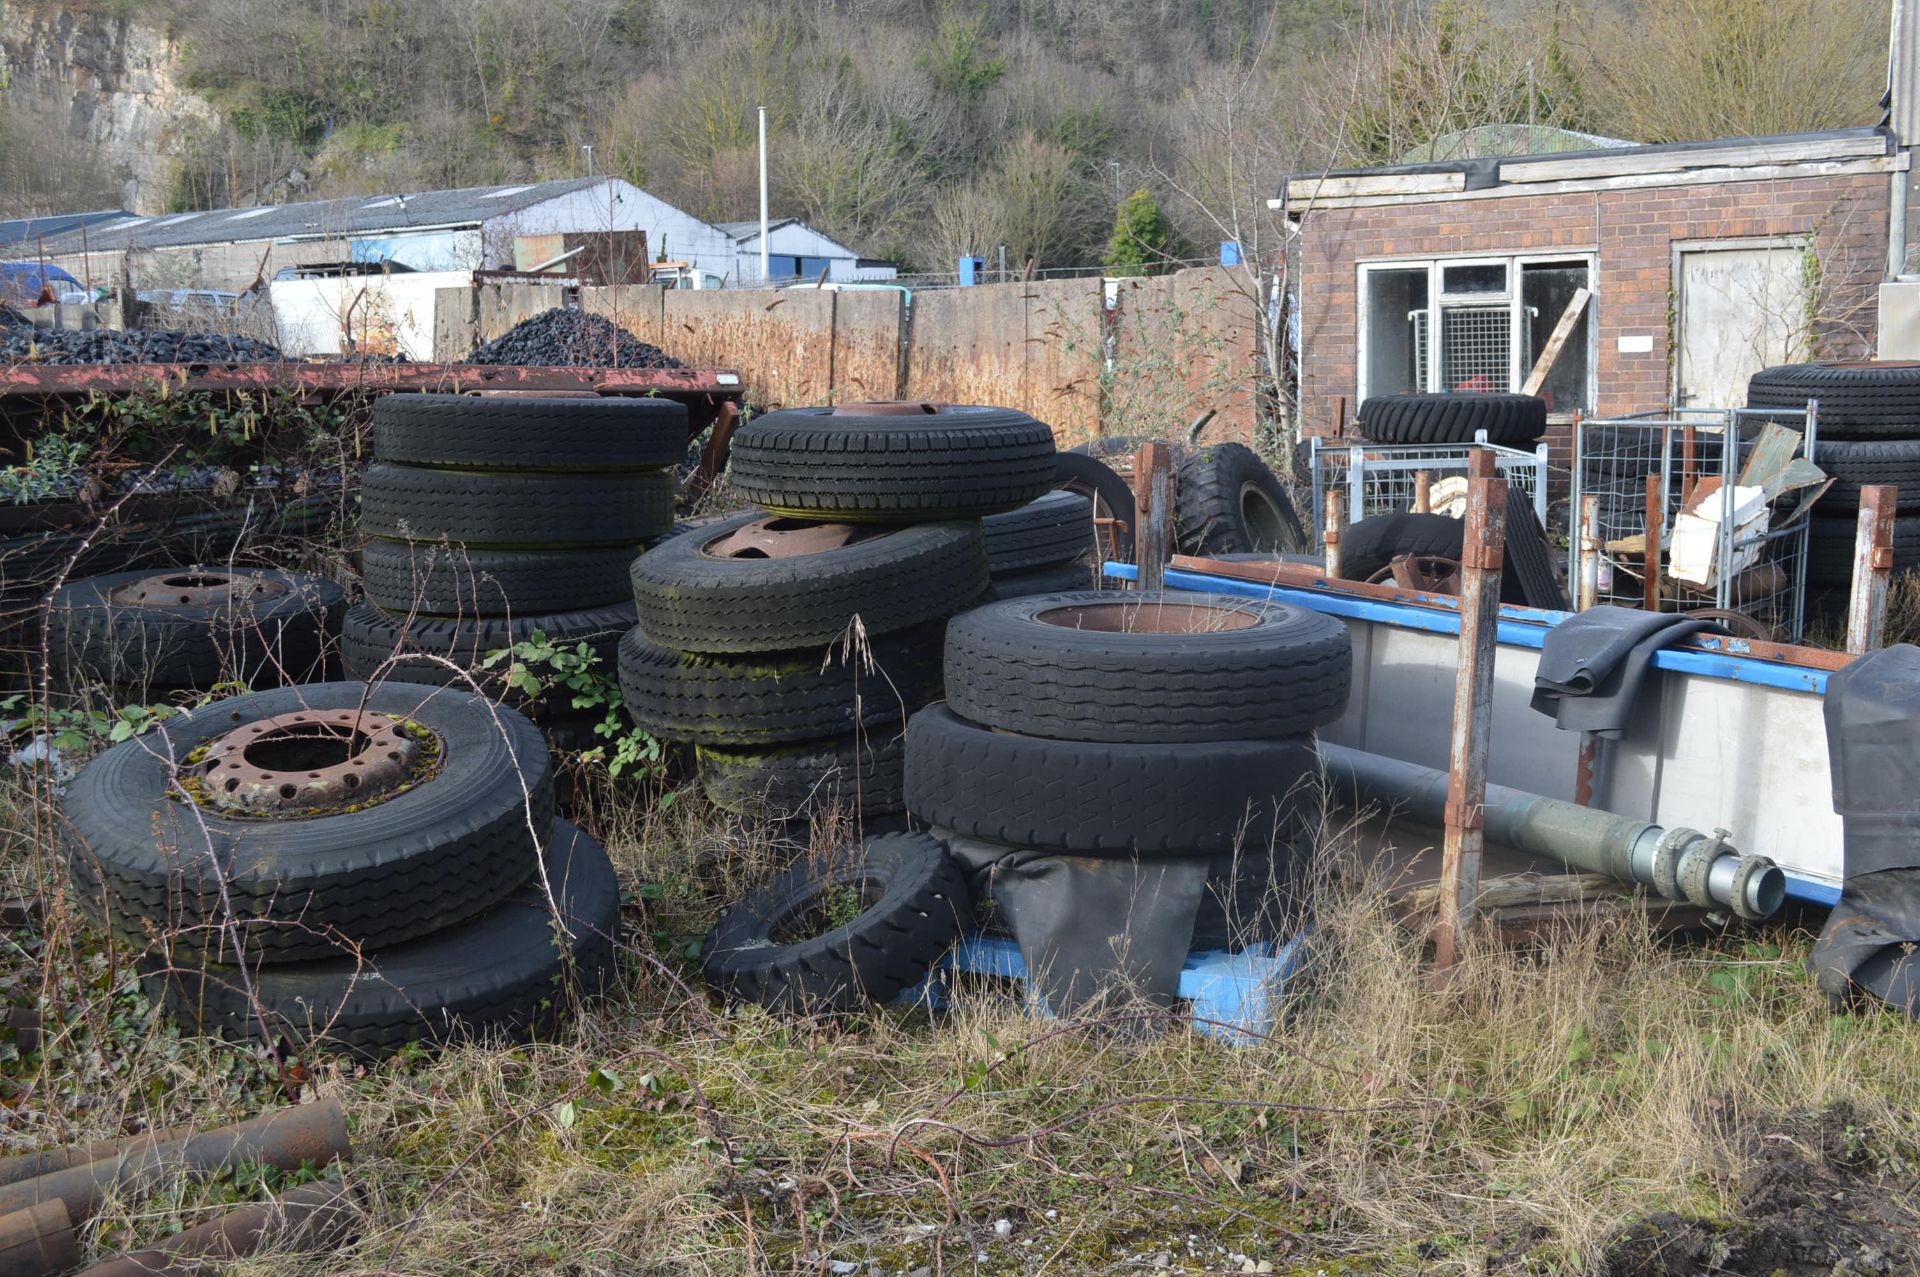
1437 302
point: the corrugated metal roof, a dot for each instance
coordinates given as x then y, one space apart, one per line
1507 140
751 230
26 230
356 215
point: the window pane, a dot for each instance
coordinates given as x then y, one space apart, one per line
1545 290
1476 348
1489 277
1396 321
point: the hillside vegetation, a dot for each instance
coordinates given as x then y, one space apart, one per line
920 129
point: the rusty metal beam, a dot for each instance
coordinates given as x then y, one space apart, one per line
1656 514
1153 481
1872 568
1335 530
52 381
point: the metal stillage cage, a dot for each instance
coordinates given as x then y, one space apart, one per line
1385 478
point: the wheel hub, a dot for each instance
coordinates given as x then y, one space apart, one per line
312 758
778 537
195 588
1427 573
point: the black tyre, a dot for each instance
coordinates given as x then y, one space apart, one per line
1119 446
763 583
1863 400
529 434
864 776
505 974
1830 545
1112 500
455 838
791 947
419 647
1856 464
1057 528
1227 500
1369 547
1453 418
1060 579
408 503
1112 666
195 627
449 580
953 463
1107 799
781 697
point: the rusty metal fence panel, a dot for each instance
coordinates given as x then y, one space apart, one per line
867 352
1063 357
1183 344
782 342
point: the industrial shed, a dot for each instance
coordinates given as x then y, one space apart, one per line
1702 263
796 250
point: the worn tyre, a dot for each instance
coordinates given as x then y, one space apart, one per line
1858 400
1453 418
408 503
262 627
706 594
505 974
956 463
1108 799
1113 666
448 580
1059 579
1227 500
529 435
864 776
1854 464
453 842
1830 544
1057 528
780 697
1111 496
417 646
1370 546
780 947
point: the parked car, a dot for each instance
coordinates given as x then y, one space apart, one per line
21 283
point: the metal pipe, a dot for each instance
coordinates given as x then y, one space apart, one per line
1679 863
305 1135
30 1165
311 1218
37 1242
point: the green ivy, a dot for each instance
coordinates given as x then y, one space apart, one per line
539 667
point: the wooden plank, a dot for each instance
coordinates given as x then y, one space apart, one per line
1550 353
867 354
454 324
781 340
1360 184
503 305
1629 162
1872 568
1153 481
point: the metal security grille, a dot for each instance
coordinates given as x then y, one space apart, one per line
1476 348
1419 320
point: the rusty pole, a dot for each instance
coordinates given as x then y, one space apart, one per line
1423 492
1656 516
1336 528
1872 565
1153 500
1589 590
1481 559
28 1165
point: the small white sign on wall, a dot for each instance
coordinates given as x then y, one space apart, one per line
1637 344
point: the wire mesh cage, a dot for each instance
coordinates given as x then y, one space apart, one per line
1733 551
1385 478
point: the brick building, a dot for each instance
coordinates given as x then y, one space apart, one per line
1702 262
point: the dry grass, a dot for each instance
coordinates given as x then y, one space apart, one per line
1508 1123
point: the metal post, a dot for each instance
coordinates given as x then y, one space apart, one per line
1872 565
1335 527
1423 492
1356 483
1656 515
1153 526
1589 544
1480 562
766 265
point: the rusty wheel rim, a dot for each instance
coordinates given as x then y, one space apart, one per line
776 536
194 588
312 759
1148 618
1427 573
893 408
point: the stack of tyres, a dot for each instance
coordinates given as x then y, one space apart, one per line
358 867
1043 547
788 643
1104 724
1868 433
492 519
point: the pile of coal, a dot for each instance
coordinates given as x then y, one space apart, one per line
139 346
572 339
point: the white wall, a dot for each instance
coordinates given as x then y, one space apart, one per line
390 313
617 205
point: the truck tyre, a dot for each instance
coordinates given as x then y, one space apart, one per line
1108 799
1227 500
948 462
451 580
504 974
779 697
1060 579
1113 666
1856 463
1509 420
408 503
788 948
1055 529
767 583
527 435
194 627
1865 399
1830 547
863 775
417 646
1112 499
455 836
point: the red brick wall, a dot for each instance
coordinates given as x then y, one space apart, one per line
1631 234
